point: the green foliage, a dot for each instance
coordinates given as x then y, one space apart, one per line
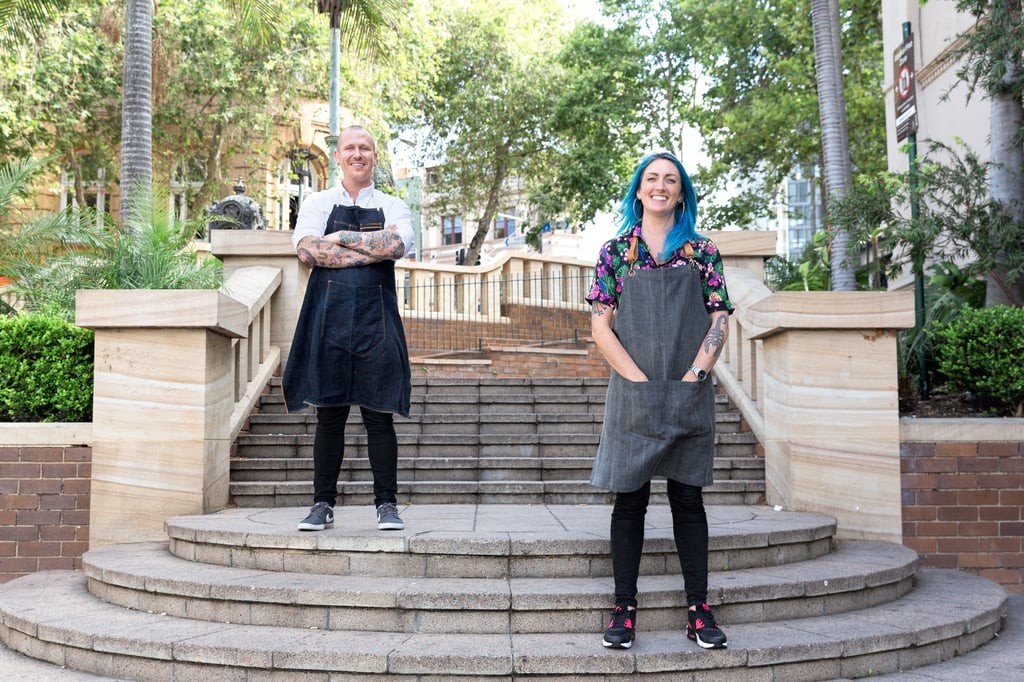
46 370
61 93
949 290
759 115
151 251
483 110
28 238
981 352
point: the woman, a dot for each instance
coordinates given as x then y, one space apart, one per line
661 318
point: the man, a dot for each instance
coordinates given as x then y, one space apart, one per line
349 345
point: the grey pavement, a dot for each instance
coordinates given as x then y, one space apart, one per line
1001 660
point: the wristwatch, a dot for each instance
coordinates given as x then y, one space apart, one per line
699 373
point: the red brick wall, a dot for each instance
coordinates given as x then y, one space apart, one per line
44 508
963 507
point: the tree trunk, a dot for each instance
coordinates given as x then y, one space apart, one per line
490 210
1006 183
137 105
835 144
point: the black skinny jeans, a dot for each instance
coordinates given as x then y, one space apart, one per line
329 452
689 527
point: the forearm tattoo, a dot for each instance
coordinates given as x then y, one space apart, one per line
714 340
354 249
600 309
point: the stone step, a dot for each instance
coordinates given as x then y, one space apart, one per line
300 469
467 423
146 577
279 446
487 540
300 493
51 616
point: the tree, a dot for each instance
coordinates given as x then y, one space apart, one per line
834 141
758 111
22 20
60 94
628 86
256 18
137 105
993 54
232 92
485 107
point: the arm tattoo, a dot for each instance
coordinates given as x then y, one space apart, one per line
714 340
600 308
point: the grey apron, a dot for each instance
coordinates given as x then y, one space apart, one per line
664 426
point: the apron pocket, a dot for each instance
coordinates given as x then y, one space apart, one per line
666 409
353 317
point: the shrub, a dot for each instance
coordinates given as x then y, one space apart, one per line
46 370
980 351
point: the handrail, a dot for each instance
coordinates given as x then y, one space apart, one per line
255 358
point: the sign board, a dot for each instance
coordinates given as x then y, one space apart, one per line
904 90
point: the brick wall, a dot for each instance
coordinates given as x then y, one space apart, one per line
963 507
44 508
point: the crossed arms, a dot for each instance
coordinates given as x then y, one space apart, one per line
345 249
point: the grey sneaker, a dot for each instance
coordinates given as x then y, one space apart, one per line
387 517
321 515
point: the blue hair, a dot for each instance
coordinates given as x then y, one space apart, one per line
684 228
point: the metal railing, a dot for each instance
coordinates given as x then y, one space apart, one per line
452 314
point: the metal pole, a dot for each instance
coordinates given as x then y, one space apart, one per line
332 138
919 308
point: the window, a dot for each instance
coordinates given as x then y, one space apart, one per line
451 229
95 190
505 223
187 177
296 179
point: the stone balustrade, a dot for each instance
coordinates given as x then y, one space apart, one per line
176 375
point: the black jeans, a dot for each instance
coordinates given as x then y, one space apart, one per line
329 452
689 527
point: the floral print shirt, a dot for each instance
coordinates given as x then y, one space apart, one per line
613 266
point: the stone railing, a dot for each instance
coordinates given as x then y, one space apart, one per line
815 375
177 373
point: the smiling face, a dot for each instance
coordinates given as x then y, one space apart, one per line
356 157
661 188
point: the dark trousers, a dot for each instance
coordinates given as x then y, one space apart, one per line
689 527
329 452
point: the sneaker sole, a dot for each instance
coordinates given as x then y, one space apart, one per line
707 645
390 526
316 526
613 645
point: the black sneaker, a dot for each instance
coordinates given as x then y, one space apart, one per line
702 628
621 628
321 515
388 518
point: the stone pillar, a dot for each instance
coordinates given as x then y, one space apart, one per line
162 406
830 405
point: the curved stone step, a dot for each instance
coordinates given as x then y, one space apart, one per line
487 540
51 616
146 577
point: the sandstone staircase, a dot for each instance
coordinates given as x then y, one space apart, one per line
502 572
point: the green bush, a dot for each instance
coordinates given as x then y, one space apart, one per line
981 351
46 367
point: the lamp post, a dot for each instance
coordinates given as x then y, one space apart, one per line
332 8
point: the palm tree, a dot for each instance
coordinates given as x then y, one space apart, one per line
25 19
834 135
136 104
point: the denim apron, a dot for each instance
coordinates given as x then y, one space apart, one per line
349 344
664 426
